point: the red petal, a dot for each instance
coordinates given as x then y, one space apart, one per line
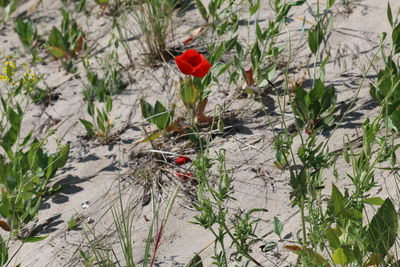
249 78
5 226
187 41
183 66
192 57
201 70
182 160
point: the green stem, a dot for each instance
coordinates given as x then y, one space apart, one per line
303 221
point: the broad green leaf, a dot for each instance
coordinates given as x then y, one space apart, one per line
189 94
88 126
339 257
32 239
315 37
374 201
56 52
62 157
382 231
396 39
278 227
332 238
147 109
337 200
162 118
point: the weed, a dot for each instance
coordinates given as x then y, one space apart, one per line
102 123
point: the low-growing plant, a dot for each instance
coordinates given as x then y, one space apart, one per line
102 123
109 83
68 41
153 18
7 8
22 79
215 217
26 168
314 109
27 33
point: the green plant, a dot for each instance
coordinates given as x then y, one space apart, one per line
102 123
7 8
110 83
73 223
214 216
67 42
154 20
27 33
158 114
26 168
314 109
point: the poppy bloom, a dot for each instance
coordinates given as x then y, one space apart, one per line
182 160
193 63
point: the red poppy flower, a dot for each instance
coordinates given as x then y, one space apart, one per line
182 160
193 63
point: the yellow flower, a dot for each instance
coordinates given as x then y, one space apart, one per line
11 64
3 78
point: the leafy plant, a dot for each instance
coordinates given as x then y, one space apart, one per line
110 83
314 109
157 114
154 20
27 33
67 42
7 8
102 123
25 173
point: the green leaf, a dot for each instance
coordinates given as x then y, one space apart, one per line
109 104
189 94
382 231
315 37
62 157
56 52
396 39
339 257
201 9
162 118
332 238
389 14
278 227
254 8
330 3
374 201
147 109
32 239
337 201
88 126
195 262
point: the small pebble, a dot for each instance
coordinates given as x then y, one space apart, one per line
85 205
89 220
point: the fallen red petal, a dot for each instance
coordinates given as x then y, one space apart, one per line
182 160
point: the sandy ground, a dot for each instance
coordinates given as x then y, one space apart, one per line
93 172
